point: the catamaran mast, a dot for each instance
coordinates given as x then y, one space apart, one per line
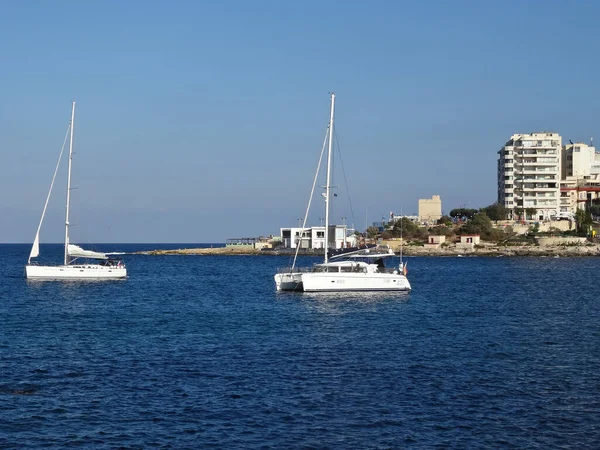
328 185
69 185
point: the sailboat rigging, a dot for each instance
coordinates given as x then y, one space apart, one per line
361 270
76 262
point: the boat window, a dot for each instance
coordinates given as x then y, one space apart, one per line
346 269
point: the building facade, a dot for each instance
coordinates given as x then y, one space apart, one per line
314 237
430 209
529 174
580 185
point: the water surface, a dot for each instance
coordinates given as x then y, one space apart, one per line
200 351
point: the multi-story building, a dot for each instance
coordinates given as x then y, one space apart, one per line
580 183
529 173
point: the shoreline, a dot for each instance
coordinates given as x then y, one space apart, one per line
488 250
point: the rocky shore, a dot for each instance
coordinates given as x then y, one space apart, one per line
410 250
495 250
204 251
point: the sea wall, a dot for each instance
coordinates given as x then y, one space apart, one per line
547 241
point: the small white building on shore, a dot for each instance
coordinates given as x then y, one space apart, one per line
469 241
314 237
435 241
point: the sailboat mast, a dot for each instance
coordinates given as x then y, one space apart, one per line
328 185
69 185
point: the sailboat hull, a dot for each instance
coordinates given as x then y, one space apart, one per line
288 281
341 281
75 272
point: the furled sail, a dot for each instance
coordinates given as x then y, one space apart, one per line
77 252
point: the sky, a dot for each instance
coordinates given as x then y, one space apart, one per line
202 121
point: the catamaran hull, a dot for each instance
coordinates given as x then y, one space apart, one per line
288 281
338 282
75 272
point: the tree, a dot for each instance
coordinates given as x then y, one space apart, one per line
479 224
463 213
530 212
445 220
595 210
518 213
372 232
442 230
405 228
583 219
495 211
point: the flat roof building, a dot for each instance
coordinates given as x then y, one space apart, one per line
430 209
529 173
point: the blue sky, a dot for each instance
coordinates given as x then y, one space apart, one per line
199 121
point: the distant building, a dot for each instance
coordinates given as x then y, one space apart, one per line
314 237
256 243
580 184
430 209
529 173
397 217
469 241
379 225
435 241
580 161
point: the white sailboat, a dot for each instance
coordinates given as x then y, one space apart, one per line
77 262
362 270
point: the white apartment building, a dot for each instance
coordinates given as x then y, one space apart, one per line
529 173
580 183
314 237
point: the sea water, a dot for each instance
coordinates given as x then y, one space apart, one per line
201 351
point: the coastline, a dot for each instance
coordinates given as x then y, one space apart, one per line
489 250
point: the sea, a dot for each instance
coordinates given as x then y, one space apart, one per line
202 352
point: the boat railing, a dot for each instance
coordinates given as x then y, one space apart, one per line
294 270
355 268
386 270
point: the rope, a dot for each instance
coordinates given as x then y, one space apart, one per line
310 199
50 191
344 173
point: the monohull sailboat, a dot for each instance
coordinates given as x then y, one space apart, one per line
78 263
361 270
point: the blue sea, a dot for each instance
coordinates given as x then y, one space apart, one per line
201 352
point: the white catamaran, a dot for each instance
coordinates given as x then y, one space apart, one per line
77 263
361 270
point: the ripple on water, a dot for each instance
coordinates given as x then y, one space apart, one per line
483 353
